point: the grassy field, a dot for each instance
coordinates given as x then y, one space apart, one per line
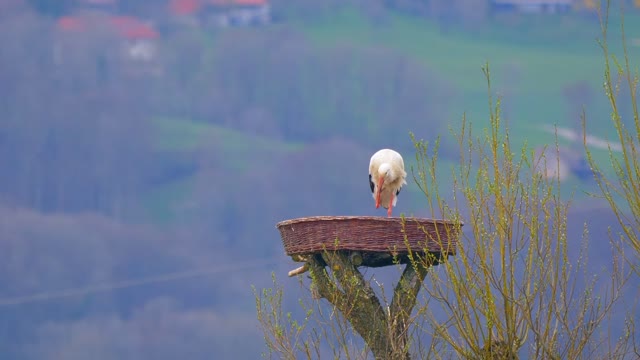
184 134
237 151
532 62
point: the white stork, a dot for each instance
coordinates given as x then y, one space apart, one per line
386 177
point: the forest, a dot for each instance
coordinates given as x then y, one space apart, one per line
138 200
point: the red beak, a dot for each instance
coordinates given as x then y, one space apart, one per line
379 190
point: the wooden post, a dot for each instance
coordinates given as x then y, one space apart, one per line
386 333
333 247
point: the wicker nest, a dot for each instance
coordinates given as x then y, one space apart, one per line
381 241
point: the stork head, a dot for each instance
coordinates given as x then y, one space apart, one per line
385 172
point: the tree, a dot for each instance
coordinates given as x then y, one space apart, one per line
52 7
368 94
511 291
622 189
515 287
577 95
385 332
72 139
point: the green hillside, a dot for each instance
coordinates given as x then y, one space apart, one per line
238 151
532 63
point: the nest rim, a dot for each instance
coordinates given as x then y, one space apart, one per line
374 236
393 219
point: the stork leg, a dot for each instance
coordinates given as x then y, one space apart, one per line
390 206
379 191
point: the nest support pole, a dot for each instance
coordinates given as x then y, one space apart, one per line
333 247
385 332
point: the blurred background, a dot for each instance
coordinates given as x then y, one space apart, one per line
149 147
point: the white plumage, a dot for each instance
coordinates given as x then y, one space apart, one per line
386 177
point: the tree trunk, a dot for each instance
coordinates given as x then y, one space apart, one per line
385 332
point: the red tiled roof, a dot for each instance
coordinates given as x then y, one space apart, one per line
70 23
238 2
132 28
183 7
126 26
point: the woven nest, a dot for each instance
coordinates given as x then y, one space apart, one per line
380 241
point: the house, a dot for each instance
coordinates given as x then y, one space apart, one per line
532 6
238 12
101 6
109 38
184 7
222 13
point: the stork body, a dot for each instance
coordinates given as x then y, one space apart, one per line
386 178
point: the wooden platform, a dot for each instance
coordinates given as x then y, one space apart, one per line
374 241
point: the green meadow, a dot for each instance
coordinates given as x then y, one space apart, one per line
533 60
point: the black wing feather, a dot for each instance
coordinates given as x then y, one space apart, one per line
398 192
371 185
